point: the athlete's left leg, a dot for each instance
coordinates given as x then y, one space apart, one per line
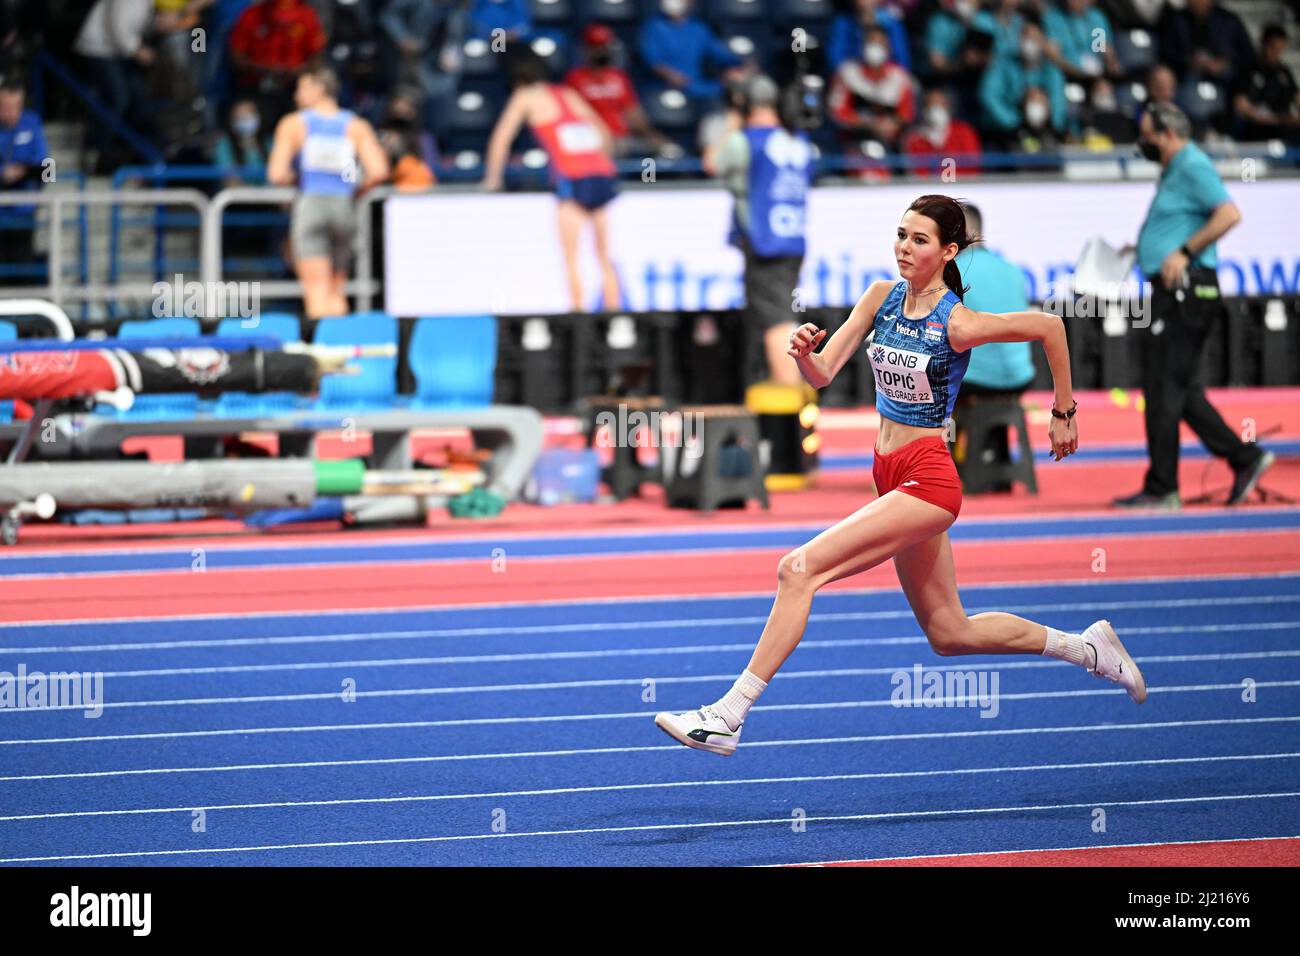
608 277
569 216
929 581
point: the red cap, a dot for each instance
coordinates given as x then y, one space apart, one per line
597 34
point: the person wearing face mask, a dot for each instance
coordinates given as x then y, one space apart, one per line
271 43
240 147
1004 94
1177 253
871 98
609 90
939 136
848 28
677 48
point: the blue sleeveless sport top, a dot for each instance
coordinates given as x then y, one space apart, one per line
328 161
917 372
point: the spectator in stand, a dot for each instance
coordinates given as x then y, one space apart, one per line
846 34
410 172
1004 94
1082 41
272 42
1004 24
949 54
509 16
176 19
241 146
609 90
1162 85
1037 133
113 55
1266 101
23 153
677 47
426 38
1205 42
1104 123
940 136
402 114
872 101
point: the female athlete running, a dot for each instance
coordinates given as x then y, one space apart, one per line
919 352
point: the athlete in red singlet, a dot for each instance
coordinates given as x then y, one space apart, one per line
579 146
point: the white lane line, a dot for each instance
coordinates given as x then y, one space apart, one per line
1045 849
561 791
675 650
663 624
655 827
534 605
428 724
445 758
391 692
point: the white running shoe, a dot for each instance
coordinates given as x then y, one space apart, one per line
1111 661
703 729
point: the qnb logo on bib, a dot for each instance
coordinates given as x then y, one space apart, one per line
902 375
785 221
328 154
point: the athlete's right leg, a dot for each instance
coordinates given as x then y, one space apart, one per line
316 275
859 542
569 217
608 277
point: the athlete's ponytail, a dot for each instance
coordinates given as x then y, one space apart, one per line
950 217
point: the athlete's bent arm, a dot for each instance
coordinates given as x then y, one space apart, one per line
288 141
820 368
968 328
374 163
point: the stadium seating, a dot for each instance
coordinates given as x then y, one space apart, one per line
8 332
278 325
376 386
176 405
453 359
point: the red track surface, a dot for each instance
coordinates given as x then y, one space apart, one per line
1284 852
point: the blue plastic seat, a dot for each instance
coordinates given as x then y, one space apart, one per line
552 12
279 325
167 406
8 333
453 359
375 388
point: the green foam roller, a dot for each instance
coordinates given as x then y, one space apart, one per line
340 477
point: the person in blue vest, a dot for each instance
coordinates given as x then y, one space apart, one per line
996 368
337 154
768 169
22 157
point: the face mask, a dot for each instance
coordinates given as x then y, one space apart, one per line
1149 150
1104 104
601 58
1036 113
245 125
1029 51
966 8
875 54
936 117
673 8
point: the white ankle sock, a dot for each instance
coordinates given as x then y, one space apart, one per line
1068 647
735 704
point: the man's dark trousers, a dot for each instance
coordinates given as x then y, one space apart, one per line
1173 345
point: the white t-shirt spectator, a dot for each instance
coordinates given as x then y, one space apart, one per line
115 29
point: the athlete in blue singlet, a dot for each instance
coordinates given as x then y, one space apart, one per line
337 155
918 336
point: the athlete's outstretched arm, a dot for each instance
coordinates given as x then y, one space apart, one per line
507 129
968 328
820 368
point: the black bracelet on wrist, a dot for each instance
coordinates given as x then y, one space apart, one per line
1187 252
1066 415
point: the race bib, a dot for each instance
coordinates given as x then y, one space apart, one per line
578 137
901 375
328 154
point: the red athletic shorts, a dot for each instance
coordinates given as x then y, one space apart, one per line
923 468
